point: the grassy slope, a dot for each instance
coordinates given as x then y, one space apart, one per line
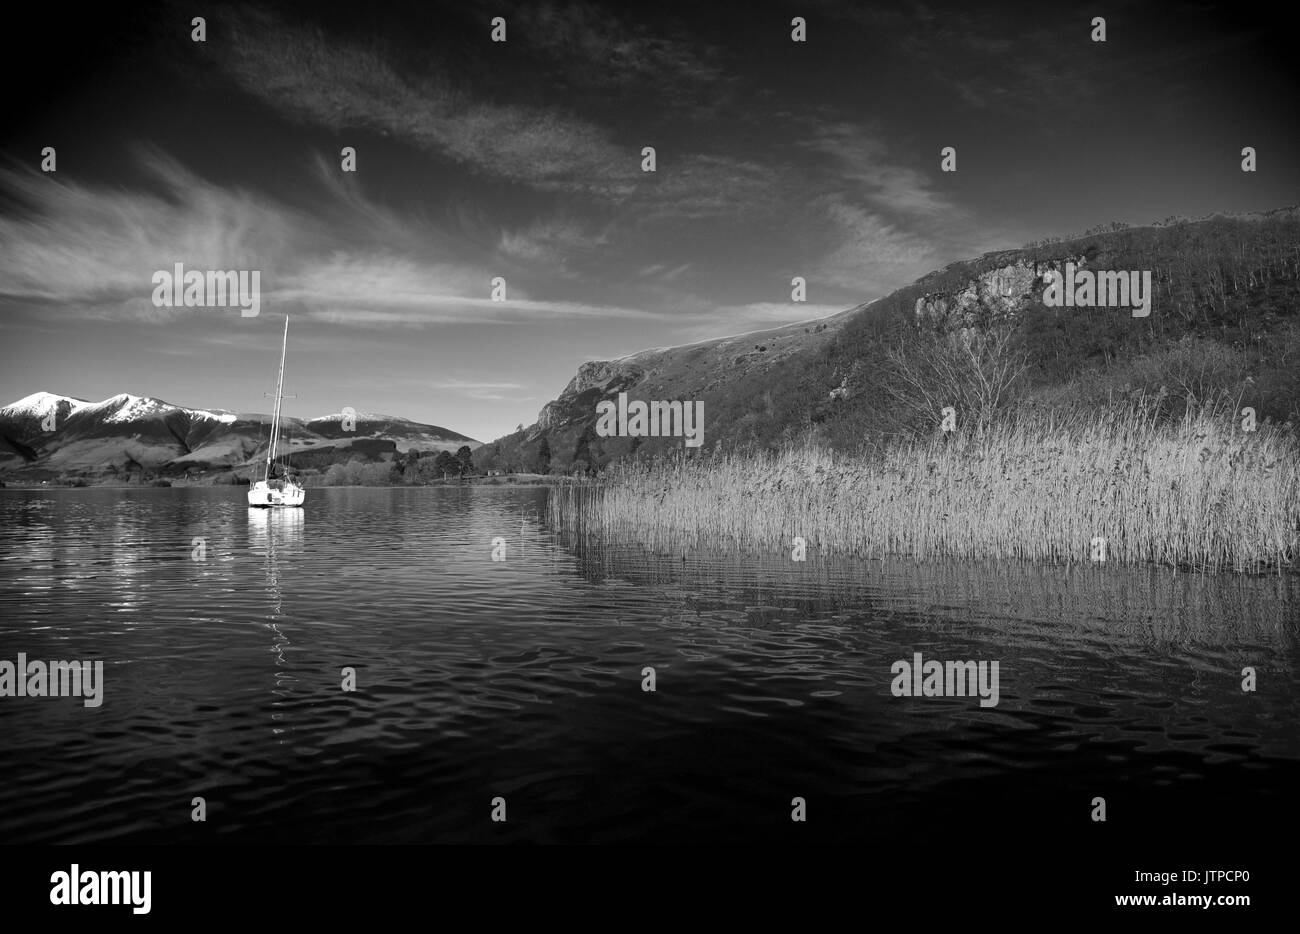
1227 291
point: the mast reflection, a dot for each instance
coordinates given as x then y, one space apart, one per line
275 533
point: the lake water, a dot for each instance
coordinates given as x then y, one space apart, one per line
522 679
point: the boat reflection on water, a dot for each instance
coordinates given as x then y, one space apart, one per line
276 533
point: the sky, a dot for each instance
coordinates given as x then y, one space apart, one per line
523 160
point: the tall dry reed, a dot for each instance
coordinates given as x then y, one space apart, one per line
1198 492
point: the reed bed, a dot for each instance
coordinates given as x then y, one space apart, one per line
1198 492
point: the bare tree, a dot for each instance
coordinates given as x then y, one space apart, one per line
975 371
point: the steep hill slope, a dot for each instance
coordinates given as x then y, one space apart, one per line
1226 292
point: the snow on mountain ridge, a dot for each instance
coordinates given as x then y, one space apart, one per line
123 407
128 408
359 416
40 404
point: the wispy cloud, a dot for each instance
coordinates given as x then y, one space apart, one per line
563 245
99 246
342 85
483 391
859 161
95 249
1000 63
663 272
426 310
873 255
879 220
837 205
598 47
730 320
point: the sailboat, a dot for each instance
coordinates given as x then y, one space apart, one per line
269 492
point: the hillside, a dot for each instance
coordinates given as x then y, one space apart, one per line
706 369
137 437
975 335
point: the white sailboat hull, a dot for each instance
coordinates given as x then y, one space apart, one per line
268 493
264 496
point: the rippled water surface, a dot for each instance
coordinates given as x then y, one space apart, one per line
522 679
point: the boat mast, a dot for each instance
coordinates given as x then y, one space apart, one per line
279 389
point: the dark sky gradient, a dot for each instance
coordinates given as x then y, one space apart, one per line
522 160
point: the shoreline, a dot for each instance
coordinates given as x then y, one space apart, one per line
508 480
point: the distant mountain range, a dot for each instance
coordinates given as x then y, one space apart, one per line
1225 318
136 437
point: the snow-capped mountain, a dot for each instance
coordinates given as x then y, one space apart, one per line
125 407
40 404
125 433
